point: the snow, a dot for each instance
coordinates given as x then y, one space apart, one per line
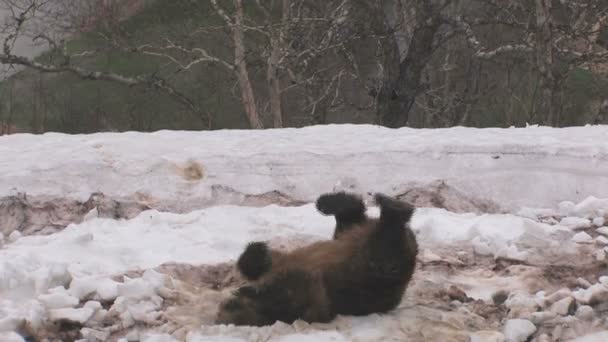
536 166
518 330
602 230
601 336
582 237
575 222
599 221
545 178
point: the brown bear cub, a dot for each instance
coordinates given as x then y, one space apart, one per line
365 268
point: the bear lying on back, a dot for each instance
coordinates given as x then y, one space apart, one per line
365 268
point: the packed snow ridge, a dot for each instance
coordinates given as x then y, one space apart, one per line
533 166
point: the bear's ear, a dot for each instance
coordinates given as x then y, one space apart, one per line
393 210
255 260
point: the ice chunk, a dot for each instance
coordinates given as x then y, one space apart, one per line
11 337
575 222
542 316
104 288
585 313
596 294
582 237
600 254
591 207
481 247
564 306
601 240
601 336
566 207
487 336
511 252
58 300
599 221
93 213
428 256
602 230
14 236
81 315
518 330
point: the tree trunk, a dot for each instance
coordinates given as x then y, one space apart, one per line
274 88
242 74
397 97
277 40
546 107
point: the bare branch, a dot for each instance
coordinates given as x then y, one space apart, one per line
481 51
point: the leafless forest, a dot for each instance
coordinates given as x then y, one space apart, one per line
116 65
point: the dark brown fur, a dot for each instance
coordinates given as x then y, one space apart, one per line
365 269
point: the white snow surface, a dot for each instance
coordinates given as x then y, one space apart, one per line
103 247
45 277
533 166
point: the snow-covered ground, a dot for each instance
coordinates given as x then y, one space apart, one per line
511 224
534 166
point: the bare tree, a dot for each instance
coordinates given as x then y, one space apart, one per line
559 37
52 22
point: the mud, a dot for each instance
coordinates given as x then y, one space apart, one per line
42 215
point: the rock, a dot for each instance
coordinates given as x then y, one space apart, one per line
564 306
500 297
521 304
518 330
583 283
487 336
575 222
601 240
455 293
603 280
602 230
599 221
584 313
542 316
582 237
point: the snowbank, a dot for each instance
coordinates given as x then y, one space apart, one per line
534 166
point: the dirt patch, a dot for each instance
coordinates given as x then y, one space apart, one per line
227 195
439 194
190 170
37 215
40 215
